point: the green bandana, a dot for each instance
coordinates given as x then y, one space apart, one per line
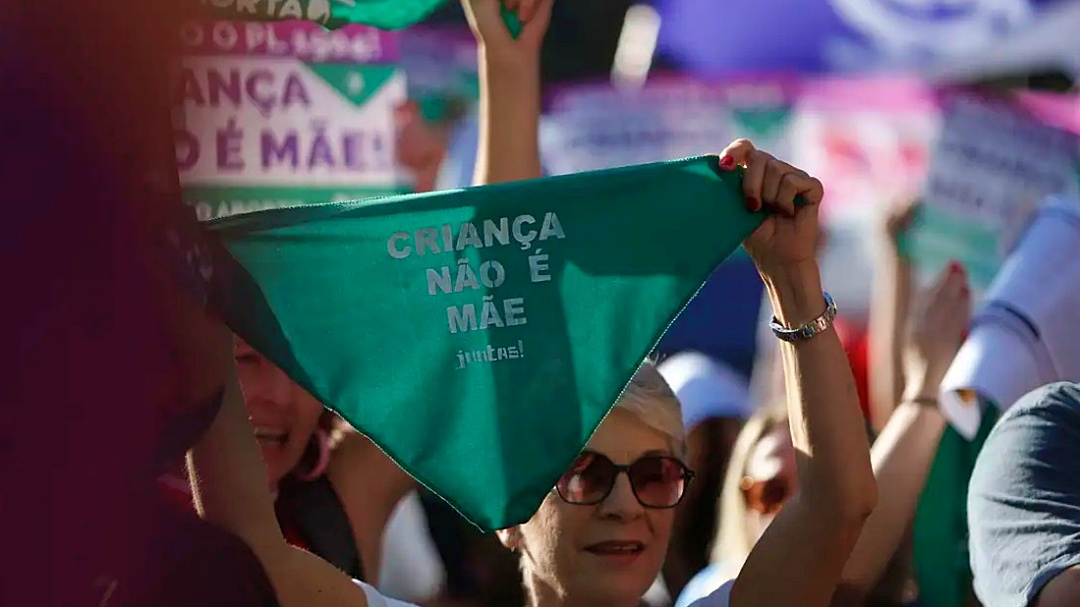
383 14
479 336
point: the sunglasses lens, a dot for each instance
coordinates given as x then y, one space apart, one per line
658 481
588 480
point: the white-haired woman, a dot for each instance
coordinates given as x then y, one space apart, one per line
601 536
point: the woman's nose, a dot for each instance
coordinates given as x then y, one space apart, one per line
621 503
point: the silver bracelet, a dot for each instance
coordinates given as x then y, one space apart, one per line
810 329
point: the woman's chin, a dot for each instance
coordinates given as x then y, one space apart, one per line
624 588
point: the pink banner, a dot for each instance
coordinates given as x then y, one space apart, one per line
303 40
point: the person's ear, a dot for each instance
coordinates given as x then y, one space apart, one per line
510 538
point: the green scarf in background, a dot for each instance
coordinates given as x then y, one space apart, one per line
942 561
479 336
383 14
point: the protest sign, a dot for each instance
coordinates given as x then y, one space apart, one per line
279 114
478 336
991 165
1027 334
965 39
596 126
441 66
868 141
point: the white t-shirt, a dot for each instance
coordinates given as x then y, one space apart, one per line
411 568
375 599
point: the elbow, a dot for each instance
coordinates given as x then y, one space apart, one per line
857 497
863 500
846 506
858 505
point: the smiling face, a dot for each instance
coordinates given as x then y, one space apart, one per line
283 414
608 553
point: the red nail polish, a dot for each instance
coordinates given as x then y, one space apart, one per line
955 267
727 163
753 204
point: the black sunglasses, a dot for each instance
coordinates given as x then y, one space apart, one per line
658 481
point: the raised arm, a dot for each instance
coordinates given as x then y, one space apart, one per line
905 450
888 313
228 480
799 559
509 148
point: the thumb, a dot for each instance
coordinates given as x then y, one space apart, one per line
536 26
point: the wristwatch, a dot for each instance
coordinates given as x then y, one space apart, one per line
810 329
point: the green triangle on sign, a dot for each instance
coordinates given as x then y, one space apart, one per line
762 123
357 83
479 336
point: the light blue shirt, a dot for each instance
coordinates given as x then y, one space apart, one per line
709 588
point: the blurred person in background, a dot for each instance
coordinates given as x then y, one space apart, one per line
715 404
761 477
1024 504
424 138
889 309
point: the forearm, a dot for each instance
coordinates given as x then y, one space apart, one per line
509 148
228 480
228 477
826 423
888 316
901 456
800 557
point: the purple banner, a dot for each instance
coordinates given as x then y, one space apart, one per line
819 36
303 40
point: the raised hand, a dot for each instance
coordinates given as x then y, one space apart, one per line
898 219
935 333
485 19
788 239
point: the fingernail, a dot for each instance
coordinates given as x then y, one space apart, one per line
727 163
753 204
955 267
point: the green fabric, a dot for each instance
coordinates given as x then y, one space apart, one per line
383 14
942 569
548 342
